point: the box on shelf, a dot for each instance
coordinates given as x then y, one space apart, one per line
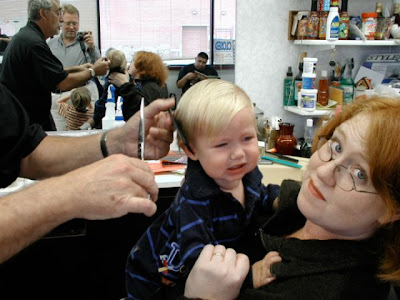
380 68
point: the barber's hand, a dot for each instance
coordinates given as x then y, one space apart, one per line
118 79
89 40
159 131
101 66
111 188
217 274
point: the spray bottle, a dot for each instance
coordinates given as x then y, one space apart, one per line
109 118
347 82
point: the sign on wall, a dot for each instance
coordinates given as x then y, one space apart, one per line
224 51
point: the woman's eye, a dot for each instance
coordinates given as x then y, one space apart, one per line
336 148
360 174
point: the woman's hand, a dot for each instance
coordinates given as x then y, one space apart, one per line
118 79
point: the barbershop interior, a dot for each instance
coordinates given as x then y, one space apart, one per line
299 62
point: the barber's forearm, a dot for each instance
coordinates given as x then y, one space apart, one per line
74 80
57 155
30 214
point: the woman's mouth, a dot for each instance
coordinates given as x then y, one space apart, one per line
314 190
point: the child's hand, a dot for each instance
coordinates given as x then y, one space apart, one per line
261 269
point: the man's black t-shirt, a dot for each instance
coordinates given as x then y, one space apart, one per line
17 138
208 70
30 71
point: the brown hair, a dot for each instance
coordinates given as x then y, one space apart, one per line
383 156
80 98
149 66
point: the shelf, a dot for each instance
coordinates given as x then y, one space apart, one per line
391 42
315 113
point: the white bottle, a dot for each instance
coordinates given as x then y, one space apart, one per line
108 121
332 24
119 118
306 146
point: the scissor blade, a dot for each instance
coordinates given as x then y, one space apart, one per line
142 128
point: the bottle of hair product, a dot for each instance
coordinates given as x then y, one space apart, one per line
323 89
332 24
347 82
288 88
322 24
313 22
108 120
298 80
344 22
306 146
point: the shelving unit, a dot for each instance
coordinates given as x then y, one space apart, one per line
391 42
315 113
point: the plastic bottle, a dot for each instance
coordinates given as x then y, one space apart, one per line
306 146
347 82
322 24
313 22
108 120
298 80
332 24
119 118
323 89
288 88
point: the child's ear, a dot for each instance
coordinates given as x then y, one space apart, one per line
189 153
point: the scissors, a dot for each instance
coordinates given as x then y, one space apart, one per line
142 129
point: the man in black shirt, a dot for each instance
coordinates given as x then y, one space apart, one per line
193 73
31 71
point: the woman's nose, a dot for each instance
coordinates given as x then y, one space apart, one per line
326 173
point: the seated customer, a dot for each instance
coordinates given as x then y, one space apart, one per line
193 73
337 234
81 110
149 77
221 196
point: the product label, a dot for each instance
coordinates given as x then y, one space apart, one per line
308 101
335 28
297 87
348 93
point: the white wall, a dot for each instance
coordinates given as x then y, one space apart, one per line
263 52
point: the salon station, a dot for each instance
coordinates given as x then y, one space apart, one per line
297 70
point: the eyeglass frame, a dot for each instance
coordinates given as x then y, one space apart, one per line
327 139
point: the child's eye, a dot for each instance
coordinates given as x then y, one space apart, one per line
221 145
249 138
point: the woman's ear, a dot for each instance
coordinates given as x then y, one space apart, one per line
189 153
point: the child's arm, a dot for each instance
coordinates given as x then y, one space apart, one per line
262 269
64 99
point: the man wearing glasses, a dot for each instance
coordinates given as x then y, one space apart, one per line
69 47
30 71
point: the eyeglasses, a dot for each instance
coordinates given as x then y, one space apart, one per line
67 24
347 178
57 11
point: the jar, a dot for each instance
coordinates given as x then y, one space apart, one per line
369 23
286 142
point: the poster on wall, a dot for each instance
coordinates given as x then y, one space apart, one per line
224 52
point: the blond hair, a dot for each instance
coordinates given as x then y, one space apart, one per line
80 98
117 59
382 153
70 9
209 106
